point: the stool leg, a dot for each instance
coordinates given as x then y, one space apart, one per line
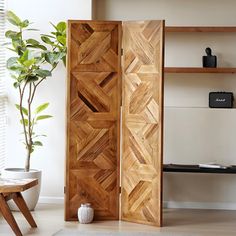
20 202
6 212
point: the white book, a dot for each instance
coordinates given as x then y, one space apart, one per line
212 165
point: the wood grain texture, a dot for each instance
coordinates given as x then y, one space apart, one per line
93 123
6 213
223 70
16 185
200 29
20 202
142 113
10 189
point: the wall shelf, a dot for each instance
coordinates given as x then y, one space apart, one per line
197 169
200 29
227 70
203 108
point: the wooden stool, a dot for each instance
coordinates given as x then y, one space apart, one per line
11 189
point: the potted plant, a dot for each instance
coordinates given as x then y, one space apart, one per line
33 62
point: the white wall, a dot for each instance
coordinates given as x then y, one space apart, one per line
51 157
193 133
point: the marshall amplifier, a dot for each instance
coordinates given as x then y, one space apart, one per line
221 99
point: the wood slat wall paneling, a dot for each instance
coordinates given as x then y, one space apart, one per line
93 123
141 191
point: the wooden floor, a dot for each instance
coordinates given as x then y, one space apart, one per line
49 219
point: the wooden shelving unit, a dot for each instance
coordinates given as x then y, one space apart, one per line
197 169
223 70
200 29
226 70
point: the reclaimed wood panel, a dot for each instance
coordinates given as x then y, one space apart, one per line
16 185
141 191
221 70
93 123
200 29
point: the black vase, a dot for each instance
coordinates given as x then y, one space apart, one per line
209 60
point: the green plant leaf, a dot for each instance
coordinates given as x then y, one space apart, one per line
53 26
61 39
24 57
37 46
26 122
12 61
64 60
43 73
29 63
24 24
17 69
19 46
49 57
39 135
49 36
43 117
32 149
24 110
31 78
14 76
13 50
32 29
41 47
32 41
37 143
61 26
54 57
41 107
16 84
4 44
47 40
13 18
12 34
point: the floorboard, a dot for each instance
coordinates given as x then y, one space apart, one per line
49 219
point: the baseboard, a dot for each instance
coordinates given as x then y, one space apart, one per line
167 204
201 205
51 200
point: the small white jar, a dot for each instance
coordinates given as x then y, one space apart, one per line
85 213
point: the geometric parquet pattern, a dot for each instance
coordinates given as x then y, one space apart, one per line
93 118
142 122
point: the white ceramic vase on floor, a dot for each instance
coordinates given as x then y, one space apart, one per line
85 213
31 195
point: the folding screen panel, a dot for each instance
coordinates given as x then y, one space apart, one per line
93 118
142 122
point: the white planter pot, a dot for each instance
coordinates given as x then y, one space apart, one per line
31 195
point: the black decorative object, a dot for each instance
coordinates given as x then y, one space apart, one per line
221 99
209 60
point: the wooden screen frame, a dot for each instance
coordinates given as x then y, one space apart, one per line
67 215
160 135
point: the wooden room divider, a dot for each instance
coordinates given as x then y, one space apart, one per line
142 122
93 119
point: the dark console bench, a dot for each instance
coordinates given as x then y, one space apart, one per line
197 169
